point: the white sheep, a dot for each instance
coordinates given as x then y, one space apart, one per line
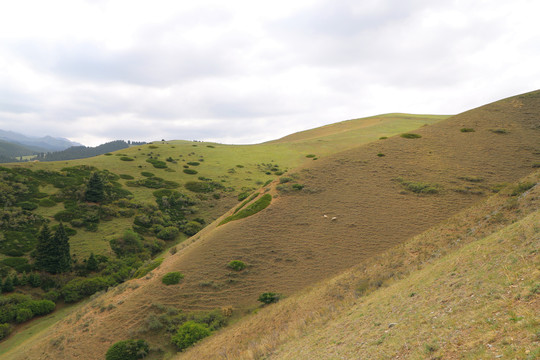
334 218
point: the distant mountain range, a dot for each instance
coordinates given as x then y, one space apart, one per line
37 144
14 147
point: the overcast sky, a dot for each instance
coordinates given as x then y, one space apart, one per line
244 71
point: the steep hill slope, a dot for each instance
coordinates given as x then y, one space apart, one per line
465 289
381 194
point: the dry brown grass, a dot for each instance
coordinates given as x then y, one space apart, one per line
290 245
350 314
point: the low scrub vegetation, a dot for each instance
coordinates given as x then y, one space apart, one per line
172 278
269 298
128 350
419 187
189 333
236 265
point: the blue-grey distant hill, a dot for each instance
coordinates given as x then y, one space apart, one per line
37 144
81 152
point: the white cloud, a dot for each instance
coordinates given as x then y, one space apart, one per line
243 71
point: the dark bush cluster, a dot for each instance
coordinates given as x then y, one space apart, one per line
128 350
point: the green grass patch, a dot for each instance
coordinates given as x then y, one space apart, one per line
499 131
147 174
252 209
127 158
190 171
126 177
245 202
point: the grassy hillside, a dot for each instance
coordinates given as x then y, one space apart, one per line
381 194
236 168
467 288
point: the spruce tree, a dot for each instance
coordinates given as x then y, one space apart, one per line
52 252
91 263
8 285
45 250
61 240
94 189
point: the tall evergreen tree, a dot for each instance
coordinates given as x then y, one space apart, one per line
61 240
94 189
52 252
91 263
44 249
8 285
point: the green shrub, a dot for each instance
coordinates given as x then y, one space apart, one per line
192 227
269 298
23 314
147 174
40 307
194 163
168 233
190 171
383 138
79 288
380 155
5 330
297 186
499 131
310 155
47 203
19 264
189 333
172 278
27 205
126 158
254 208
158 164
237 265
107 154
466 130
210 146
284 180
411 136
128 350
126 177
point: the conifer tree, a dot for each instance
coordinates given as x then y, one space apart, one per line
8 285
61 240
91 263
44 249
94 189
52 252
